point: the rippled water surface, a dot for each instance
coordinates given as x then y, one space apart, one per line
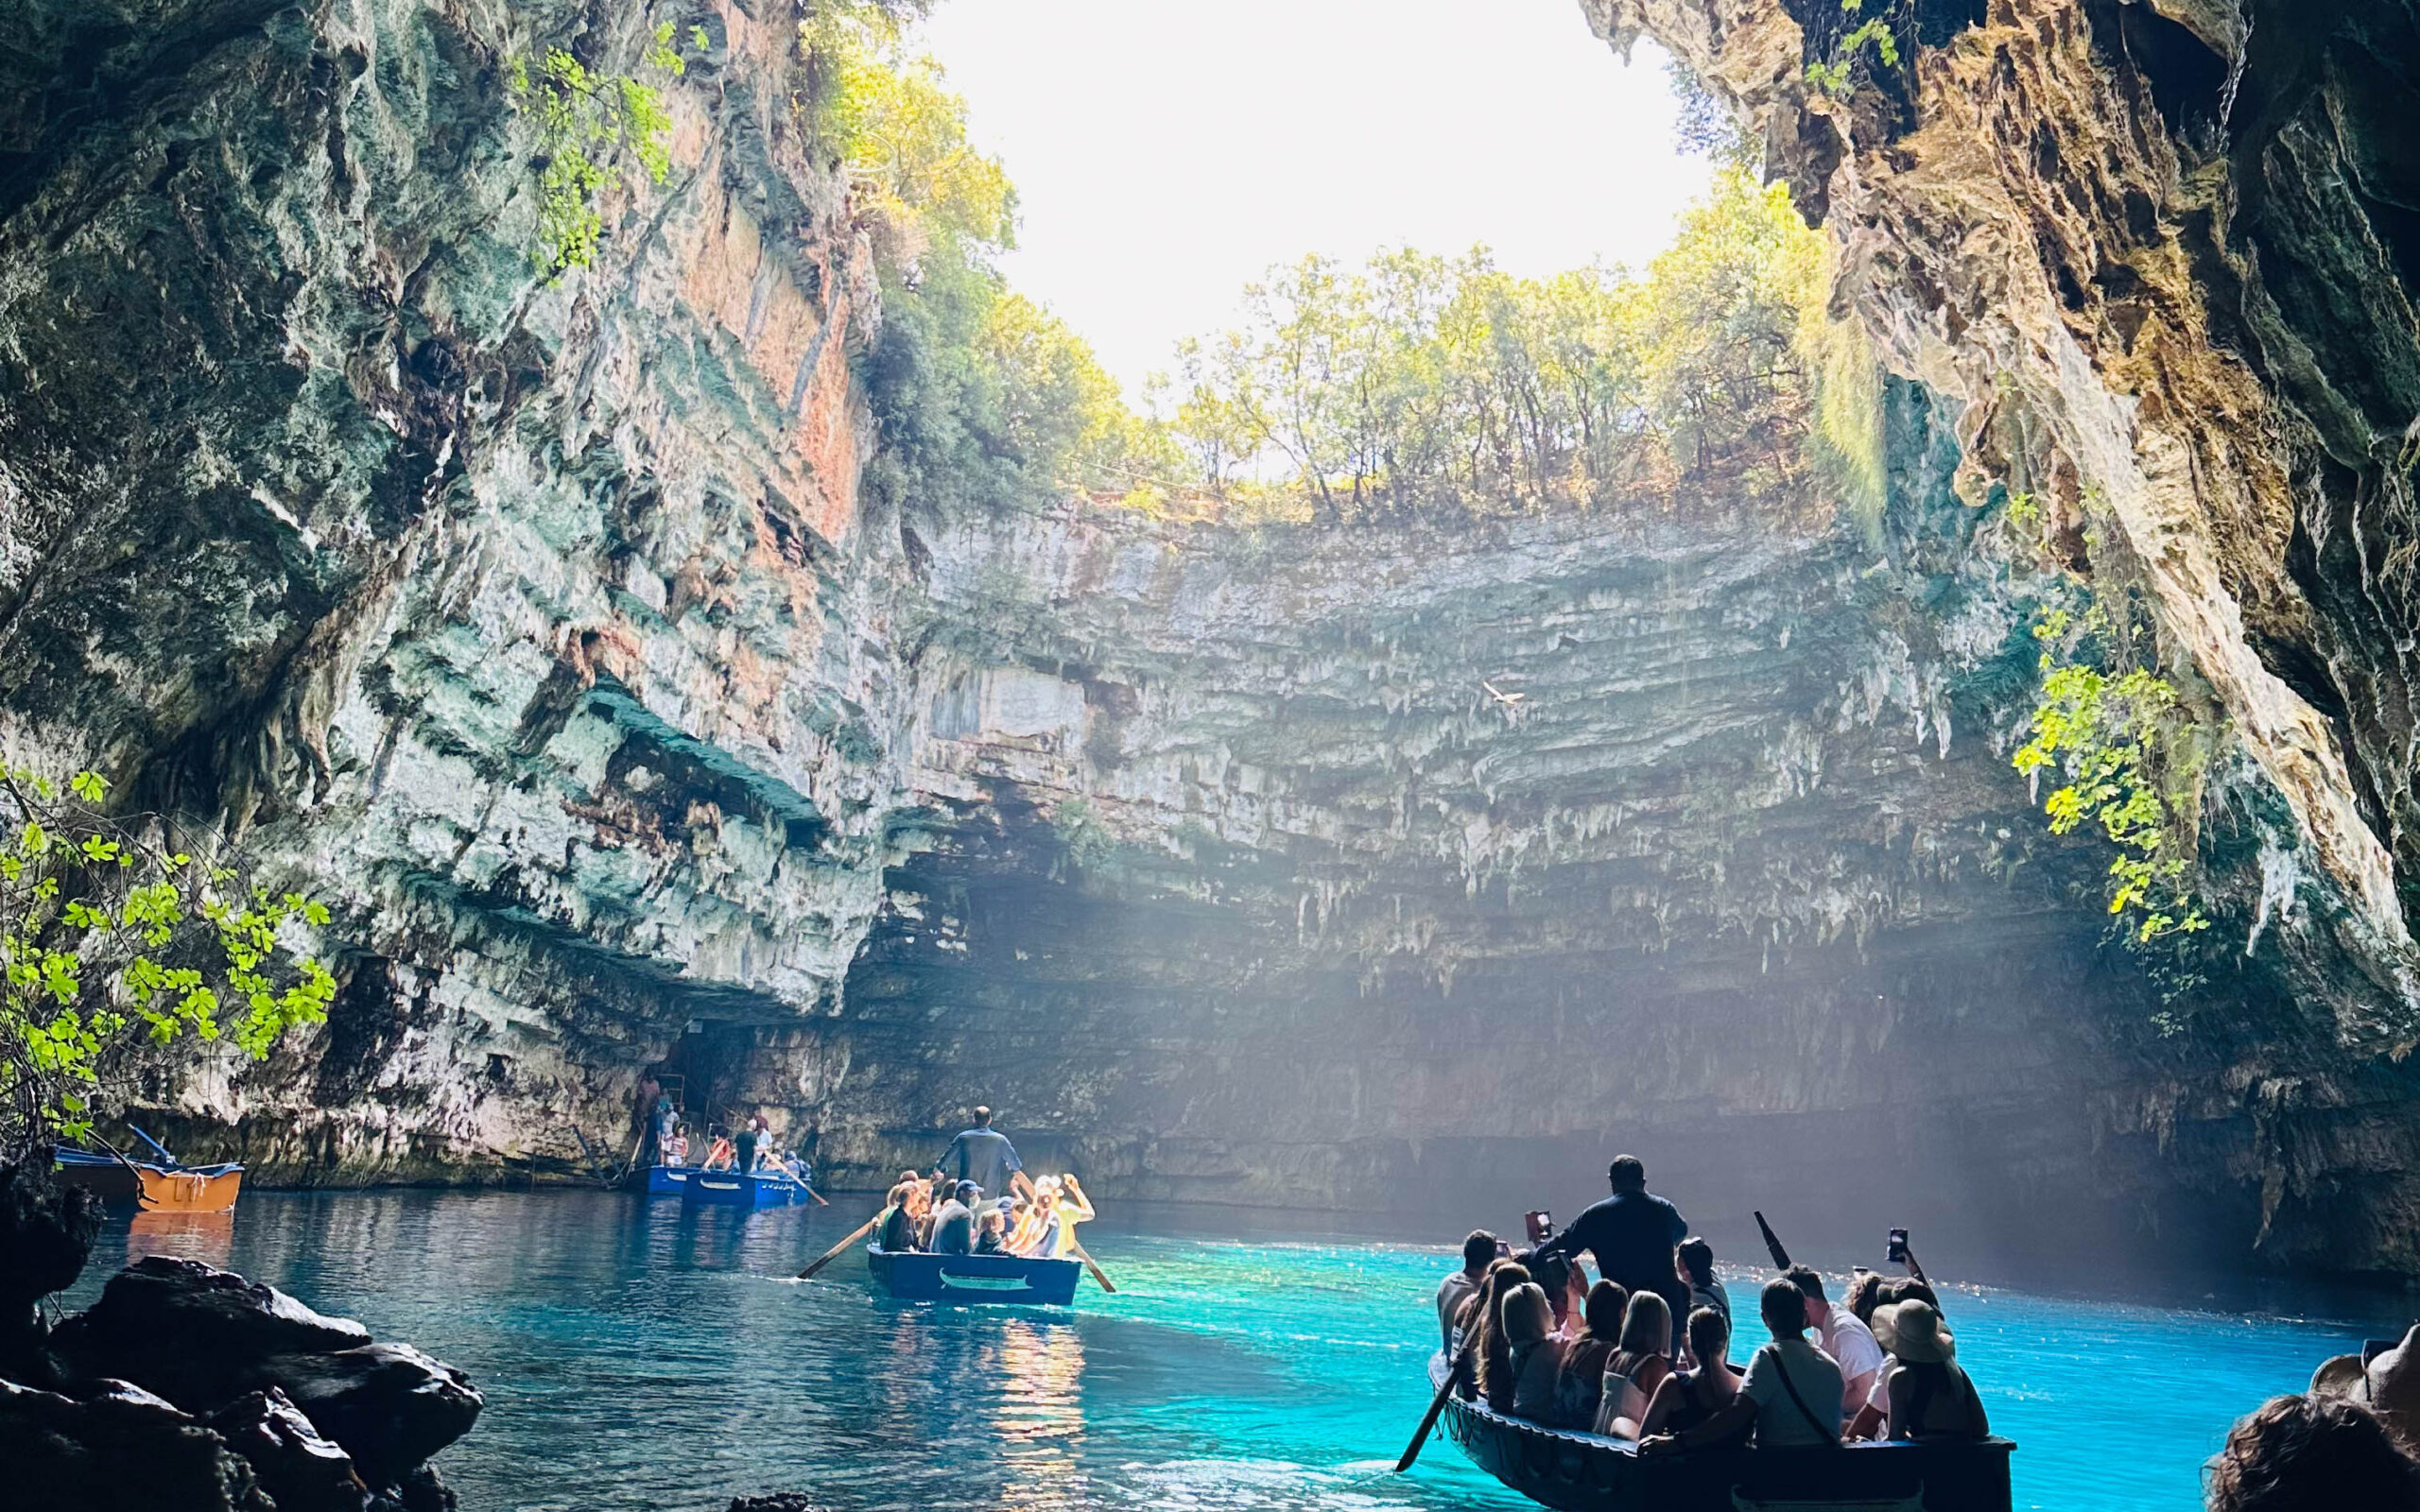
637 1355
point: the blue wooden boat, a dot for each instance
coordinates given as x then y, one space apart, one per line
917 1276
668 1180
1586 1473
753 1189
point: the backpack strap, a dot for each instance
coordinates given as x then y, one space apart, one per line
1829 1435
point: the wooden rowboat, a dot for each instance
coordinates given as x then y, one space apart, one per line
1586 1473
757 1189
917 1277
154 1187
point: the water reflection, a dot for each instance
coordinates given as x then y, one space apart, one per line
643 1357
208 1237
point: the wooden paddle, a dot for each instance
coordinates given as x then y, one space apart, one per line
834 1253
1437 1407
1781 1256
1093 1265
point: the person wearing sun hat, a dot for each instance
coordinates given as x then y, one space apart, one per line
1930 1396
2387 1383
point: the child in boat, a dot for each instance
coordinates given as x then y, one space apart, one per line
994 1240
675 1149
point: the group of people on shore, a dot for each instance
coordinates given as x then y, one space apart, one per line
1643 1352
2351 1441
979 1201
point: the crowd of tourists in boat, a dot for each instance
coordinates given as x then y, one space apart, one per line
979 1200
747 1148
1643 1351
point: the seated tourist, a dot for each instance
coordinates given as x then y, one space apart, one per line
1844 1336
1866 1293
897 1231
2307 1454
992 1237
1478 1253
1693 1263
1553 1273
1483 1337
1791 1393
1074 1208
1038 1224
719 1153
1637 1367
1533 1353
1689 1398
953 1221
1580 1384
1926 1394
2387 1383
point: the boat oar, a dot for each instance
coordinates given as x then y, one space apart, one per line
1436 1407
1093 1265
834 1253
1781 1256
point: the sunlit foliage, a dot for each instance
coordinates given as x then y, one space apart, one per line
586 122
108 935
1418 383
2127 762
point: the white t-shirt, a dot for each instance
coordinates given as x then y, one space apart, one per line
1855 1349
1779 1422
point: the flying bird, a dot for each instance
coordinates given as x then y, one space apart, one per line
1510 700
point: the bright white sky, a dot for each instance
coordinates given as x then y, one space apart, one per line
1167 153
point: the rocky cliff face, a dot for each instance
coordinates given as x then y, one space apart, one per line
2162 253
547 631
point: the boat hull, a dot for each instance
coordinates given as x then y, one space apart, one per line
760 1189
1015 1279
668 1180
203 1189
1583 1472
153 1187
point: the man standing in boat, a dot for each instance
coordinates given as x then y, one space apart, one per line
984 1155
1632 1234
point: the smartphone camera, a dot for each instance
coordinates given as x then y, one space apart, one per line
1540 1224
1898 1253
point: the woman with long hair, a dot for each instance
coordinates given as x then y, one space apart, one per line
1580 1384
1637 1367
1482 1325
1689 1398
1532 1351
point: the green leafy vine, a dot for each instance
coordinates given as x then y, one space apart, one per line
1835 74
583 120
108 935
2121 740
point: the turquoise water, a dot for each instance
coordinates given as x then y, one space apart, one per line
637 1355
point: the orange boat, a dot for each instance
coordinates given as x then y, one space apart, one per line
189 1189
165 1185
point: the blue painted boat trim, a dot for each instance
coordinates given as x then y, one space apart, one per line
760 1189
1012 1279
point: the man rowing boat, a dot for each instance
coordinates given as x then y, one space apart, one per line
984 1155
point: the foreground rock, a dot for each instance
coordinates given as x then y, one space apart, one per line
188 1387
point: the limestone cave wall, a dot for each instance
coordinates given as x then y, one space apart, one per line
556 635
